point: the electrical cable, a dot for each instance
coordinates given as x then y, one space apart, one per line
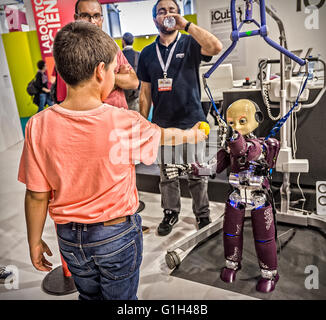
281 122
294 126
264 92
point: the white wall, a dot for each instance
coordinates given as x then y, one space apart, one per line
30 15
298 36
10 126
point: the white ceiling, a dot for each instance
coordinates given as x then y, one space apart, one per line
2 2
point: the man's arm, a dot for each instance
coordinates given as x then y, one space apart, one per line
210 45
145 98
36 205
126 78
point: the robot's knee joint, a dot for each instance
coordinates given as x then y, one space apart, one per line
231 235
264 241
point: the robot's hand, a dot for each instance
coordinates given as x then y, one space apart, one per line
225 133
204 169
229 133
171 171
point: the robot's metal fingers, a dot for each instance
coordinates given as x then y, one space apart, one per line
174 170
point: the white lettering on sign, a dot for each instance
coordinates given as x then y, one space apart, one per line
48 22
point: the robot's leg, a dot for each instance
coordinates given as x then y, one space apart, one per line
264 234
233 241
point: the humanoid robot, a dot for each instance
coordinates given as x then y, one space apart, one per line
250 160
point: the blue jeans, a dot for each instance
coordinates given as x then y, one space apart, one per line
45 99
104 261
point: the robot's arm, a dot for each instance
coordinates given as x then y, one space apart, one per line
244 150
216 165
271 150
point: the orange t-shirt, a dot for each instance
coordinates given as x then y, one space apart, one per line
86 158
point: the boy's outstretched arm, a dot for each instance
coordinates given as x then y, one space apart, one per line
175 136
36 206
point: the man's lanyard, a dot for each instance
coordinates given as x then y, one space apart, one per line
168 62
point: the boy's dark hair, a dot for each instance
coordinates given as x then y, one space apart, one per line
154 13
78 1
40 64
79 47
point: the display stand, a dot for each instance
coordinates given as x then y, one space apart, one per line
56 283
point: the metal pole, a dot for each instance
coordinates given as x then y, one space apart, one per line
285 135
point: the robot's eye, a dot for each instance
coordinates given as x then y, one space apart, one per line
243 120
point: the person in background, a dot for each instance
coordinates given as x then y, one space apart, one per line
169 74
125 76
132 96
42 98
59 88
5 275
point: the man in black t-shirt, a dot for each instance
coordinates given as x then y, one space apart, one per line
169 74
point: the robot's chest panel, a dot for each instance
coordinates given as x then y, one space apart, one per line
246 179
248 189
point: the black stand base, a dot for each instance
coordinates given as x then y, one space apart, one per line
57 284
141 206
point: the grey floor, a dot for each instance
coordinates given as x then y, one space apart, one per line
197 278
300 251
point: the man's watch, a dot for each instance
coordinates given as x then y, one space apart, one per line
187 26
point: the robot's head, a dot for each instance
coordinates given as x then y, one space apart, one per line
244 116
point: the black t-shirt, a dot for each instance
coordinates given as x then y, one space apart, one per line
132 56
181 107
41 81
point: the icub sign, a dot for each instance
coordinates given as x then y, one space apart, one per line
308 3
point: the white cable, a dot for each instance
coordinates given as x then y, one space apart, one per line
294 120
267 103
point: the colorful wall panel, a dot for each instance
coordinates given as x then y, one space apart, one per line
22 51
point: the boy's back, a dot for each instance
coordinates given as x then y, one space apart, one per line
85 158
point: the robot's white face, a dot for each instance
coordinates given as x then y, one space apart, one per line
240 116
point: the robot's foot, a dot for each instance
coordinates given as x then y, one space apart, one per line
228 275
267 285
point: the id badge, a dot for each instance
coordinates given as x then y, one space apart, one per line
165 84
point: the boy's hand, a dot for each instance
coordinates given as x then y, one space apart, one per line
196 135
37 257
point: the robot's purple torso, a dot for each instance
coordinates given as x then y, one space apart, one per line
251 159
247 151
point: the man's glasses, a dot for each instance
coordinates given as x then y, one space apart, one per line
87 17
163 11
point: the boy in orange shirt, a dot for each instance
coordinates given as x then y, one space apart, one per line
78 163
